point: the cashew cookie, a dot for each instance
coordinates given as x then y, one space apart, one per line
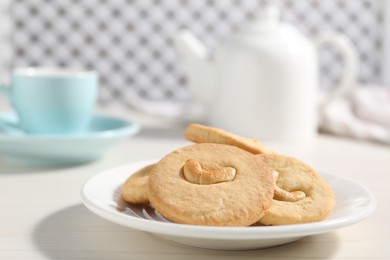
211 184
135 188
301 195
204 134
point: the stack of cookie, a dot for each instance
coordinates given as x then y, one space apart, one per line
228 180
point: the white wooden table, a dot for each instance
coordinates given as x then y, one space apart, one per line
42 217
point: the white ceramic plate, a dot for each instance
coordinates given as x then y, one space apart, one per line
101 194
104 132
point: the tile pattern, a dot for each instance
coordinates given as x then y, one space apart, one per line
129 41
5 38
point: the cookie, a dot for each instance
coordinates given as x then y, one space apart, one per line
301 195
204 134
211 184
135 188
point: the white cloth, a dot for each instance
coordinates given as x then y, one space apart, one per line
363 113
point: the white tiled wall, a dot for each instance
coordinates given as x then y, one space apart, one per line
129 41
5 39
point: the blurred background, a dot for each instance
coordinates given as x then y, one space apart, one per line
129 42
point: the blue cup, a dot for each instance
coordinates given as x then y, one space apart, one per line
51 100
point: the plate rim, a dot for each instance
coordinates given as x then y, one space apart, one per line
222 233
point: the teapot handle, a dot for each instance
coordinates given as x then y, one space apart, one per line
351 61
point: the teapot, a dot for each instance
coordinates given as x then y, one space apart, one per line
262 82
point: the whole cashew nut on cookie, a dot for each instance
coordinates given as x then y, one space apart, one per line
193 172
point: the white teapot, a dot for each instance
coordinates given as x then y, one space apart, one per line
262 82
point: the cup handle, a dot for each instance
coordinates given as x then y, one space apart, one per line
7 126
351 61
6 91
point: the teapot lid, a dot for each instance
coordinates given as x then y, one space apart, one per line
267 21
269 14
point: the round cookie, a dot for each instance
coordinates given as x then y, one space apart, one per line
205 134
237 189
135 188
295 176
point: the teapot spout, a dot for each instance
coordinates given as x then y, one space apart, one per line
197 66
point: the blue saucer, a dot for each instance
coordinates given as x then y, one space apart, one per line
103 133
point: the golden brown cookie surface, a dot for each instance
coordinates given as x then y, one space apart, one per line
238 186
135 188
205 134
295 175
